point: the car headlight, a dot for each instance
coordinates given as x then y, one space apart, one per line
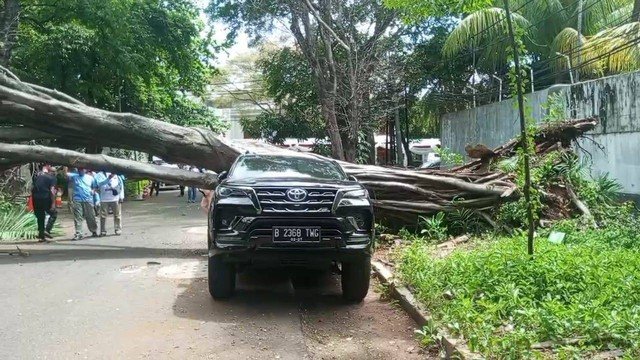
356 194
227 191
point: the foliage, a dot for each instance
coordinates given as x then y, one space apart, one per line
556 107
434 228
417 10
438 228
288 81
134 188
503 300
485 30
449 157
120 55
16 223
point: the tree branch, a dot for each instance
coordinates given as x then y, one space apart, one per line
318 18
18 154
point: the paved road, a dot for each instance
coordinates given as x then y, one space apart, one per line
144 295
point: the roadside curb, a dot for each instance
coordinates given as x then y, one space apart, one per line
454 348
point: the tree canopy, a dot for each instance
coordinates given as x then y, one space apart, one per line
141 56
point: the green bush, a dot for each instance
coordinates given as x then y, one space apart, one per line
503 301
134 188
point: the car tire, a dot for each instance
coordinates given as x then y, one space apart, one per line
355 279
222 278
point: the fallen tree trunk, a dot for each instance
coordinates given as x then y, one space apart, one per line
399 193
21 133
129 131
37 153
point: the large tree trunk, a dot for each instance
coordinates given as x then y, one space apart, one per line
329 113
123 130
99 162
401 193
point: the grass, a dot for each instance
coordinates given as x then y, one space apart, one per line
584 295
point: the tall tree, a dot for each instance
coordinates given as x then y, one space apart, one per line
341 43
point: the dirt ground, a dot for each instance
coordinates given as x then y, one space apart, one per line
144 295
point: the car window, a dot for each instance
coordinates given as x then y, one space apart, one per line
285 167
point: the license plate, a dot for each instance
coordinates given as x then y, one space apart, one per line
296 234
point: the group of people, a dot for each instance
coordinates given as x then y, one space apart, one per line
91 194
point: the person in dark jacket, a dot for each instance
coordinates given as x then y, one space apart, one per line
43 194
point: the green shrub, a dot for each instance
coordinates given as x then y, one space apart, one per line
133 188
503 301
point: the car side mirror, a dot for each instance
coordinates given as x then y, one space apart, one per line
352 178
222 175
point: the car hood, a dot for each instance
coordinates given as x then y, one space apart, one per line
289 183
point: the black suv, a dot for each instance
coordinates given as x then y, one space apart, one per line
298 211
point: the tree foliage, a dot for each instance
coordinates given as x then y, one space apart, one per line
341 44
288 81
122 55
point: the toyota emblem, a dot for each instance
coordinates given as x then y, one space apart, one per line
296 194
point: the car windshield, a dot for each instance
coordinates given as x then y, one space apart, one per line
285 167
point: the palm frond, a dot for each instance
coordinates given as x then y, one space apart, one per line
17 223
618 47
481 26
611 19
599 14
568 42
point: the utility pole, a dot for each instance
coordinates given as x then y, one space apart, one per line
523 131
578 60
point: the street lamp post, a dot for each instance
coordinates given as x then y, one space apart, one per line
568 64
500 82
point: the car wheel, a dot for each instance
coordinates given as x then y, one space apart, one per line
355 279
222 278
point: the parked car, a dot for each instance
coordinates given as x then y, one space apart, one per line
298 211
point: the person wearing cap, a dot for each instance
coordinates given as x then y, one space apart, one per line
43 194
111 191
84 186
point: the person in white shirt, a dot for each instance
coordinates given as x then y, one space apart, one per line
111 195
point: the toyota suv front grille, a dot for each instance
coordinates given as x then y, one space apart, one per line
285 200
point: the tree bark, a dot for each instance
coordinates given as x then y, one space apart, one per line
21 133
129 131
37 153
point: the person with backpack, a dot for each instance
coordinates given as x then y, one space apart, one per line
43 195
111 190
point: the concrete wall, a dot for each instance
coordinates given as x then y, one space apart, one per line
612 147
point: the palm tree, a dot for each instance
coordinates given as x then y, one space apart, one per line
549 28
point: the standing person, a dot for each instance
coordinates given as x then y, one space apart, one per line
83 186
180 166
111 191
155 186
193 191
43 194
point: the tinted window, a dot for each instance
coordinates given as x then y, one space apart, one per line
285 167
